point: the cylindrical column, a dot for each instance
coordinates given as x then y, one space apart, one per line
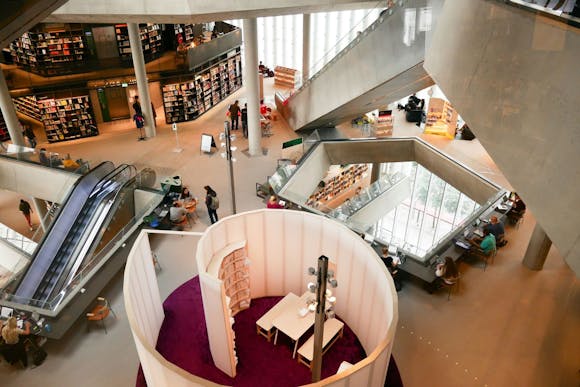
321 278
41 211
230 159
538 249
9 113
375 172
250 30
305 46
141 76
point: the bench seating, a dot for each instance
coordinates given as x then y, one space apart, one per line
264 324
332 331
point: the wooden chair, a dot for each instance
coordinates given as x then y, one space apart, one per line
452 286
100 312
478 253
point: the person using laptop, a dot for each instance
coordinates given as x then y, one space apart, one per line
391 264
177 213
14 349
486 244
497 229
446 273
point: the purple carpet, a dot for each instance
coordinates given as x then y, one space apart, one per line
260 362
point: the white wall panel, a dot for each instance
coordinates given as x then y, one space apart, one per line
274 254
294 269
255 237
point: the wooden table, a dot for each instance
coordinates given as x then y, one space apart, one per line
290 323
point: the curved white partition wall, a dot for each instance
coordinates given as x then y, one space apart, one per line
281 245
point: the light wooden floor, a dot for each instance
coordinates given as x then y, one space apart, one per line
508 326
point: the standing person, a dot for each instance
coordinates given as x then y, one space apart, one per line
29 134
15 350
245 120
234 111
154 112
137 106
212 203
25 208
140 123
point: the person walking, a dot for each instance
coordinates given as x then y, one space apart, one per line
245 120
212 203
29 134
26 210
234 111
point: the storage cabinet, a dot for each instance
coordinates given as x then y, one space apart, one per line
287 77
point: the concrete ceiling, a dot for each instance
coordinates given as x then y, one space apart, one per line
18 16
192 11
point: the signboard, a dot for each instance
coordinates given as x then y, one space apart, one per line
206 141
290 143
174 127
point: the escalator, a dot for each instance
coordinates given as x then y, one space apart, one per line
383 64
77 219
82 237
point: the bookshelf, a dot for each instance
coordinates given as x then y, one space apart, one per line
235 275
151 41
185 101
441 118
28 105
4 135
186 31
287 77
67 118
338 184
51 53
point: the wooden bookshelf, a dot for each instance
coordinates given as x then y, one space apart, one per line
28 105
4 135
185 101
51 53
339 184
441 118
151 41
235 275
67 118
287 77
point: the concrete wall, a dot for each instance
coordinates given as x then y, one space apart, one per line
513 76
192 11
34 180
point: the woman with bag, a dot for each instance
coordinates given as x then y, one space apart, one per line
212 203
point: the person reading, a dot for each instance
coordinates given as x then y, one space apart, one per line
496 228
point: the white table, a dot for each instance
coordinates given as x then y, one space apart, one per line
291 323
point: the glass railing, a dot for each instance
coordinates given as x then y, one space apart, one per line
365 196
90 267
16 239
281 177
560 10
46 158
350 39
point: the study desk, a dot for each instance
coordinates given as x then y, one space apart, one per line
291 323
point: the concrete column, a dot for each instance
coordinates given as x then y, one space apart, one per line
250 31
141 75
305 46
41 211
9 113
375 172
538 249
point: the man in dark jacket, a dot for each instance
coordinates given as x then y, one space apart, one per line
234 111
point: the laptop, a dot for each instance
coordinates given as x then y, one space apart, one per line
478 232
393 250
6 313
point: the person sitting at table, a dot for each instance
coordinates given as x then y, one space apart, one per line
485 244
185 194
177 213
496 228
273 202
391 265
518 209
446 273
14 349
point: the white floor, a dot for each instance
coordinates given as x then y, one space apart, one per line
508 326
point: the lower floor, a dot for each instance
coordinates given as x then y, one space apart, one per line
505 326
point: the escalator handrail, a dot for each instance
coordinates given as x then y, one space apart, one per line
86 207
60 218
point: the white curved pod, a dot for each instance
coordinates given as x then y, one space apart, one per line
281 245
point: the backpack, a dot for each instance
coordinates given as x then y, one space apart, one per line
215 203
